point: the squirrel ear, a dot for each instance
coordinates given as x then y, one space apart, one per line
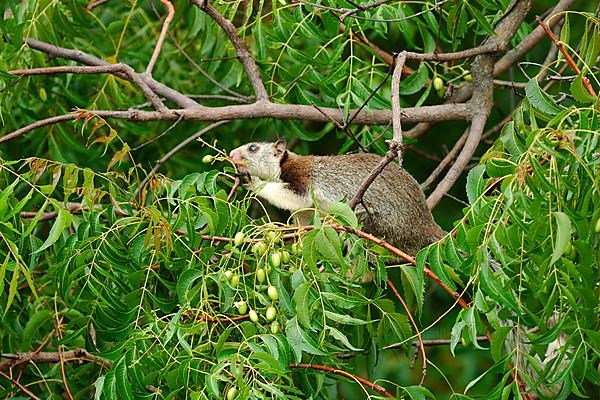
280 147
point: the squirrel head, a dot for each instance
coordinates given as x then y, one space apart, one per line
260 159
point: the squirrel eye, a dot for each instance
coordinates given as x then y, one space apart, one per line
253 148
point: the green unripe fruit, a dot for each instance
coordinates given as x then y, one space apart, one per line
259 248
238 239
468 77
271 313
235 280
43 94
275 327
276 259
285 256
272 293
569 250
207 159
242 307
228 275
597 227
272 235
253 316
438 83
231 393
260 275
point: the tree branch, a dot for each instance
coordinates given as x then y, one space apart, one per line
482 101
241 50
51 357
119 70
348 375
88 59
161 38
446 112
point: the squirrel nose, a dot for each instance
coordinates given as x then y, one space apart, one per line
235 155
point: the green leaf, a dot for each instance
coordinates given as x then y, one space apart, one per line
300 341
539 99
415 81
62 222
302 300
414 277
336 334
343 213
418 393
475 183
579 91
562 235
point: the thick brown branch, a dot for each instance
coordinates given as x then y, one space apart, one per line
348 375
114 69
240 48
447 112
161 38
396 142
88 59
51 357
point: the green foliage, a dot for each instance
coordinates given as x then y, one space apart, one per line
163 283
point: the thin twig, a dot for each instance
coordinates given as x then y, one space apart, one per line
61 359
343 127
414 324
21 387
173 151
208 318
241 50
114 69
565 53
348 375
161 38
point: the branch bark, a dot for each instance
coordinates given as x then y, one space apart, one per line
448 112
241 50
88 59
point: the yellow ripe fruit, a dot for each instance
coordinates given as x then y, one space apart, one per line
597 227
468 77
238 239
275 327
207 159
272 293
271 313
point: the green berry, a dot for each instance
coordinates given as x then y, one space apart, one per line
235 280
238 239
468 77
272 293
242 307
231 393
253 316
276 259
275 327
228 274
207 159
438 83
597 227
259 249
271 313
285 256
260 275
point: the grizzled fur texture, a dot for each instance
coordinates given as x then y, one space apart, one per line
393 207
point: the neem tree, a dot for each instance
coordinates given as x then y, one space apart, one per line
119 282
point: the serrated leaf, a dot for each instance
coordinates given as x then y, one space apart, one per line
62 222
475 183
302 301
300 341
